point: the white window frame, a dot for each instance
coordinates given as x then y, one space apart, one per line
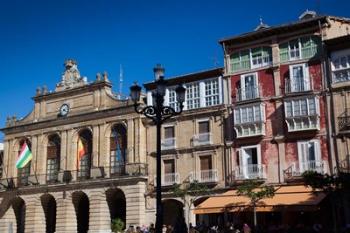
164 138
337 56
243 87
317 150
306 77
290 50
211 96
292 102
262 113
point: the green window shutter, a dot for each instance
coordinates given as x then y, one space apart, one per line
306 48
256 51
284 52
235 62
316 44
245 60
267 52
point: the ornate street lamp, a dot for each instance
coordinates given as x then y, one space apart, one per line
158 113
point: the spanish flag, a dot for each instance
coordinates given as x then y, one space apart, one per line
81 152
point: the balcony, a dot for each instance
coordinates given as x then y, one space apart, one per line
247 93
301 123
297 169
169 179
297 86
344 120
168 143
251 171
204 176
250 129
344 165
58 177
202 139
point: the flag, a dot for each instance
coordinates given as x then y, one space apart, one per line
81 151
25 156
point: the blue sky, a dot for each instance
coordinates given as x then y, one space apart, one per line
37 36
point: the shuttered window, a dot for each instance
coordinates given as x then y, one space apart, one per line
205 163
203 127
169 166
169 132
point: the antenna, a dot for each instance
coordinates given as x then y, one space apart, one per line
120 81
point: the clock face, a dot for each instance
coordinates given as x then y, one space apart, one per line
64 109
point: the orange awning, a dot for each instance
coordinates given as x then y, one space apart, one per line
296 197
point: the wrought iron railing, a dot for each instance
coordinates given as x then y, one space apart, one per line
251 171
297 86
297 169
204 176
202 139
344 119
168 143
169 179
248 93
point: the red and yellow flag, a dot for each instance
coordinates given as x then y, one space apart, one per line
81 152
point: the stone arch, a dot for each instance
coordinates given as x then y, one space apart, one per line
8 221
173 210
49 205
19 207
81 204
116 201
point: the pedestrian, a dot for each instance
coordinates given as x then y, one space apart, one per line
151 228
246 228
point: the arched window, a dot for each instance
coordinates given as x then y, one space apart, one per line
118 145
53 158
24 172
84 154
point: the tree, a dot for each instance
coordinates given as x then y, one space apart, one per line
192 191
255 192
117 225
335 186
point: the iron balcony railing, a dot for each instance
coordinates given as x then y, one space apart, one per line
202 139
248 93
251 171
68 176
297 169
169 179
297 86
344 120
204 176
168 143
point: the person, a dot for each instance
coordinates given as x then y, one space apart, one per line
246 228
131 229
138 229
152 229
180 226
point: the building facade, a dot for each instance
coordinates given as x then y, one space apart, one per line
193 143
89 160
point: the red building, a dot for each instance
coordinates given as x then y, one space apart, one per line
279 116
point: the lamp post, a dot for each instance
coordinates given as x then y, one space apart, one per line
158 113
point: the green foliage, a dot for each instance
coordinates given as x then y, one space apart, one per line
255 191
325 182
117 225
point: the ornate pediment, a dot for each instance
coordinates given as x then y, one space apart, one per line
71 76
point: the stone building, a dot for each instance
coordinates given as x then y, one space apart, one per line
280 111
193 143
58 191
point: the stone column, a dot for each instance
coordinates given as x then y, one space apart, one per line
64 146
95 145
6 159
34 141
135 204
8 221
137 140
66 220
41 159
276 70
131 146
104 154
99 217
35 216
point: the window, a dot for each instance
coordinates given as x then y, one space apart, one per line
250 58
172 99
203 136
170 176
205 163
118 149
249 163
341 66
301 48
302 114
53 158
193 96
211 92
299 79
169 137
309 155
248 87
23 173
249 114
249 120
